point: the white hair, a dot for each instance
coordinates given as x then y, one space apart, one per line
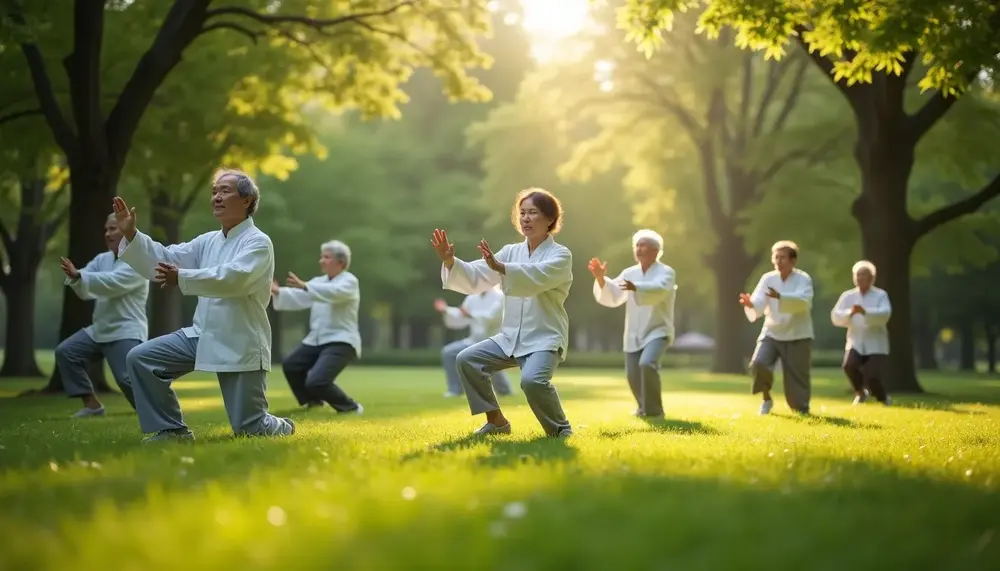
647 235
245 187
863 265
338 250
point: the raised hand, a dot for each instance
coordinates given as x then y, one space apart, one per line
857 309
773 293
445 249
491 260
125 218
440 305
274 287
69 269
627 286
166 274
597 268
294 281
745 300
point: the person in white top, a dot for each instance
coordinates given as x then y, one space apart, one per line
482 313
535 276
648 290
334 340
230 270
119 322
865 311
783 297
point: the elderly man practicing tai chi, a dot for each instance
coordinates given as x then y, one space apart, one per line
865 311
535 277
783 297
648 290
482 314
119 322
333 340
230 270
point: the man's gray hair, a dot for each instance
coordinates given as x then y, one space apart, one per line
245 186
111 217
647 235
338 250
863 265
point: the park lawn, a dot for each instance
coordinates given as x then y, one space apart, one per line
714 487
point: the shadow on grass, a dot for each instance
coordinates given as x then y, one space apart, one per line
503 450
827 419
665 426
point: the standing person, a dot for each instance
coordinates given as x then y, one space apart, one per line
119 322
482 313
535 276
230 270
334 340
648 290
865 311
783 297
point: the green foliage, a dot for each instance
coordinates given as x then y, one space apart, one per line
954 39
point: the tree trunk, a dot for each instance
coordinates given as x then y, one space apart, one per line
90 203
885 155
731 267
925 338
967 345
991 349
166 312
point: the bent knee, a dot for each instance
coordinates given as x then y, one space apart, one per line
649 366
62 351
135 356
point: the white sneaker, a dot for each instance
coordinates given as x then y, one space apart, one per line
766 406
858 399
85 412
490 428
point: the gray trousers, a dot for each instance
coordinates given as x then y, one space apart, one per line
796 366
153 366
449 360
476 364
79 350
311 372
642 369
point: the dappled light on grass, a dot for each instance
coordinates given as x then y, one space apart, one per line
405 487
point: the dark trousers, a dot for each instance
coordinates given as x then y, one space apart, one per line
312 372
865 371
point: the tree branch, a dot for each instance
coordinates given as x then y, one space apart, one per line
61 130
775 72
957 209
792 100
811 157
19 114
315 23
7 239
826 65
231 26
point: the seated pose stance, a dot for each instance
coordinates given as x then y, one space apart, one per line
648 290
865 311
119 295
482 314
783 297
333 340
230 270
535 277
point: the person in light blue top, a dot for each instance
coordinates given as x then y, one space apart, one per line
119 322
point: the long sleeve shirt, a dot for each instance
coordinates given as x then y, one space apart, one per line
868 333
333 309
649 310
231 276
788 318
119 295
535 287
485 315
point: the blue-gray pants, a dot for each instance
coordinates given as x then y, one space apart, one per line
449 360
476 364
642 369
796 362
79 350
153 365
311 372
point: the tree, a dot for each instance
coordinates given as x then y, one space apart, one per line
362 53
870 52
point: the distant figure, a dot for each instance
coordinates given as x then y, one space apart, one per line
535 277
783 297
865 311
648 290
482 314
333 340
119 322
230 270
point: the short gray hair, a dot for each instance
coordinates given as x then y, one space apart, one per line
111 217
792 247
245 186
647 235
863 265
338 250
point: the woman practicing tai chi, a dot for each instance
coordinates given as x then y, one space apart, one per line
535 277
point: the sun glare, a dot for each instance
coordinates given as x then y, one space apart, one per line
547 22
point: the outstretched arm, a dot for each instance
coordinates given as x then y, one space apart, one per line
611 295
235 278
343 288
143 254
469 277
291 299
880 314
657 290
798 300
526 279
758 299
96 285
840 315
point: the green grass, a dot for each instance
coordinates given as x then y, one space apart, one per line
714 487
